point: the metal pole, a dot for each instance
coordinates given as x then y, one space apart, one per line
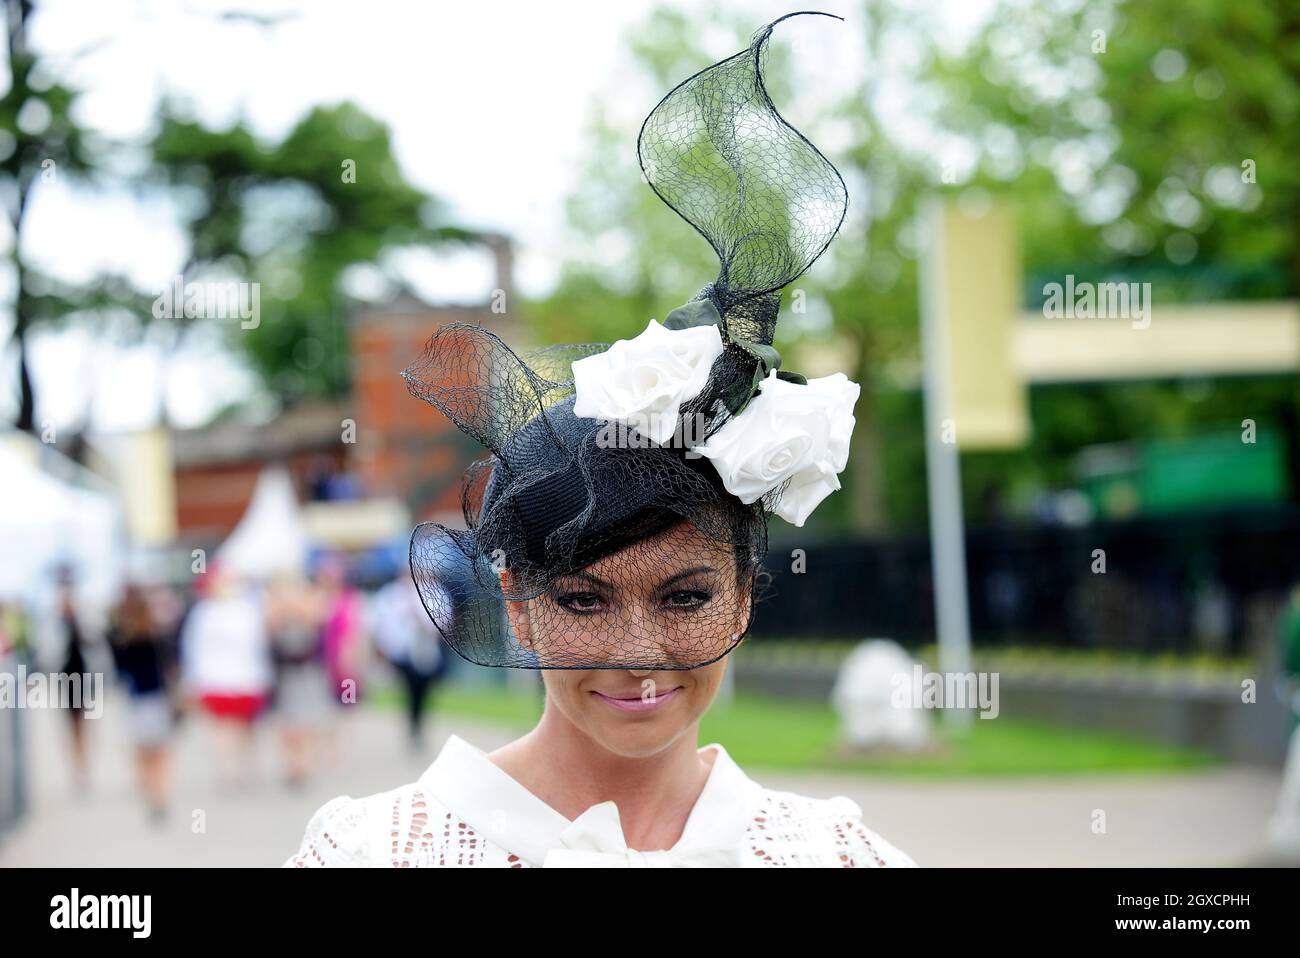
943 464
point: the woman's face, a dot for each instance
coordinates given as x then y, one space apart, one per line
672 599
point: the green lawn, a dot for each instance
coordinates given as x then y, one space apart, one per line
776 733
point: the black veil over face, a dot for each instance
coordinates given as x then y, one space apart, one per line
555 494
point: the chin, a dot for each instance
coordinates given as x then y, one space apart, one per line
643 744
638 736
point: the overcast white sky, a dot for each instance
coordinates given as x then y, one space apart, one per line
487 102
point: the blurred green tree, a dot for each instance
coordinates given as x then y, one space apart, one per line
1160 149
1157 138
293 215
1152 141
42 143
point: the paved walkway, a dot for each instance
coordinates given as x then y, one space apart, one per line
1201 818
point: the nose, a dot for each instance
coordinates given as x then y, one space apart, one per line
643 638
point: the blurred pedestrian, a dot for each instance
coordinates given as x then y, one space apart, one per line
409 641
143 650
295 615
226 665
73 635
344 630
344 643
1284 828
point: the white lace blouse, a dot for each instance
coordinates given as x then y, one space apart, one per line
466 811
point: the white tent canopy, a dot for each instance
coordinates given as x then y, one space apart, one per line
270 538
47 521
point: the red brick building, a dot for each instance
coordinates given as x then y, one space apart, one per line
392 444
404 447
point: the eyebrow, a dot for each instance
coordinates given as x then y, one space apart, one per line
597 580
686 572
589 577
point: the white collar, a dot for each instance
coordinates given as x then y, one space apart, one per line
505 813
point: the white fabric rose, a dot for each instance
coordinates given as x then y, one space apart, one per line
644 381
789 431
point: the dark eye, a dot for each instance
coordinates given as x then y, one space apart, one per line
687 598
580 602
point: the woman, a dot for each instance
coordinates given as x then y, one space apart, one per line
344 636
143 653
344 647
226 666
74 672
303 699
410 643
615 536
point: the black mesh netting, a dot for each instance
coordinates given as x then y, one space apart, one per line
584 553
716 151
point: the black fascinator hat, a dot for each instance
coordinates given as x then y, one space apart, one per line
621 514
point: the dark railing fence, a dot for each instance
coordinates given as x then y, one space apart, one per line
1209 582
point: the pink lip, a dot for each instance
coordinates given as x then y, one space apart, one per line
638 704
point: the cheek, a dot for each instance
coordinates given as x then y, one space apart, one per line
563 690
708 682
709 633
